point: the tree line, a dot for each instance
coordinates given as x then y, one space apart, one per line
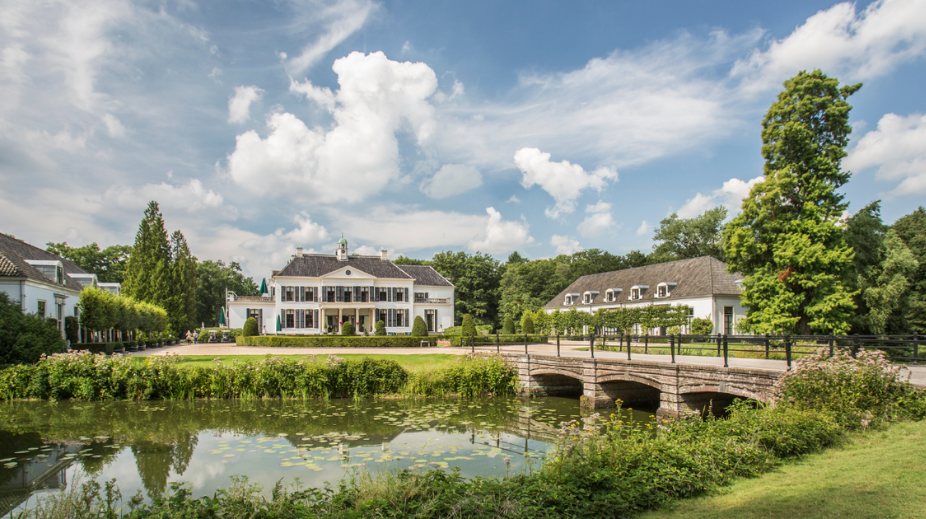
160 270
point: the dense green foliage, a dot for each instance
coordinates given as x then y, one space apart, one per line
700 326
860 391
24 338
527 323
250 328
419 328
476 278
212 279
508 326
468 327
528 285
84 376
622 319
787 240
102 311
380 330
683 238
340 341
108 264
347 329
181 301
148 271
911 229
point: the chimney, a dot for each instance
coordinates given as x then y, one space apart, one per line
298 252
383 255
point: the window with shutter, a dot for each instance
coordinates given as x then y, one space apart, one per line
339 294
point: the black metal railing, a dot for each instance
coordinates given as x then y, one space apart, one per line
897 348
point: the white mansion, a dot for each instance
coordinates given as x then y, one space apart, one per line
703 284
316 293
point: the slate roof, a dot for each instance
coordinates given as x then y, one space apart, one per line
15 252
695 277
425 275
317 265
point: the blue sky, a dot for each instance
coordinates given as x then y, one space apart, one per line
541 127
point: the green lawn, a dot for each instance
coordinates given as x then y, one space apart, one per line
410 362
878 475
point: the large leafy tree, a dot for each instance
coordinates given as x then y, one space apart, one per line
885 287
476 277
108 264
787 240
181 310
683 238
147 273
212 279
911 229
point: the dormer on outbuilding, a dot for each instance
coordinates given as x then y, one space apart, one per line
637 291
610 295
665 288
589 296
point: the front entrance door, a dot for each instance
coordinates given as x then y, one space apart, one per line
728 320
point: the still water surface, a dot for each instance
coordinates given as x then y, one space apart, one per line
146 445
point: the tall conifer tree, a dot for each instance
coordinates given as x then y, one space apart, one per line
147 273
787 240
182 308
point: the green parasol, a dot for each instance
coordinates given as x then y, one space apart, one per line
221 317
263 287
279 326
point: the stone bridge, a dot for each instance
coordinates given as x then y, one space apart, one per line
676 389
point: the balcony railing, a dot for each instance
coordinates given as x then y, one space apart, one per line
436 300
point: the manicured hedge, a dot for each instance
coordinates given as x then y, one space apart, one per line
100 347
339 341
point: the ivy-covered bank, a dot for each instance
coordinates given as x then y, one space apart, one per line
603 467
84 376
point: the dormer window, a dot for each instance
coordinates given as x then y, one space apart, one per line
589 296
571 299
51 269
610 295
665 289
636 292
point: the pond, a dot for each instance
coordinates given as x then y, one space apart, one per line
146 445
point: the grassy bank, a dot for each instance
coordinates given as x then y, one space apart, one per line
409 362
83 376
877 474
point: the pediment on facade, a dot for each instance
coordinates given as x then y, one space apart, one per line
348 273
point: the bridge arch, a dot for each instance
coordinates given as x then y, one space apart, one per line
556 383
632 390
715 399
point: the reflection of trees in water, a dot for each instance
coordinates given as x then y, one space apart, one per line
155 461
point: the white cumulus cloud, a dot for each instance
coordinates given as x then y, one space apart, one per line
841 41
239 105
598 221
898 149
644 228
564 244
359 155
501 235
562 180
731 196
452 179
190 197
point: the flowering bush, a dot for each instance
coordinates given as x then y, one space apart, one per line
859 391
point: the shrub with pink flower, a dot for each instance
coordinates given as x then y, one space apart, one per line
860 391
